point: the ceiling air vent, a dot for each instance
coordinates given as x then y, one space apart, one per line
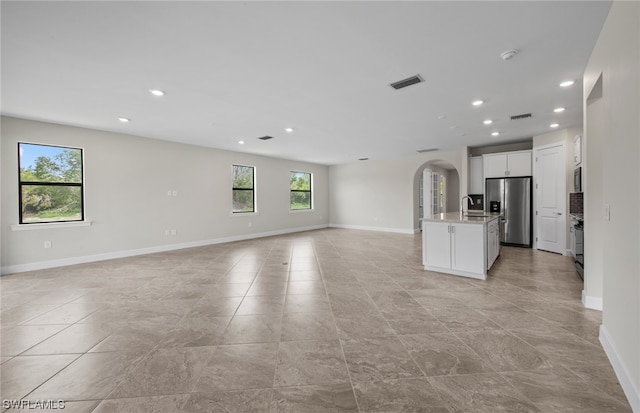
523 116
266 138
427 150
407 82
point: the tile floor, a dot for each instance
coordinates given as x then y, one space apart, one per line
323 321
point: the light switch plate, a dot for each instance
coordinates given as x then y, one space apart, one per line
607 212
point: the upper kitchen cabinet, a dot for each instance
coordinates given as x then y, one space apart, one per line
507 164
476 175
577 150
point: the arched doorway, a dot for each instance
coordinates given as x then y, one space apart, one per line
436 189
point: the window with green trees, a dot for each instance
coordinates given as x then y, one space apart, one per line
243 189
50 183
300 190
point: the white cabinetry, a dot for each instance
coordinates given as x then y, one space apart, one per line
493 242
577 150
437 240
507 164
467 255
476 176
455 248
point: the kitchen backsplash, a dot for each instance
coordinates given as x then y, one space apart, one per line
576 202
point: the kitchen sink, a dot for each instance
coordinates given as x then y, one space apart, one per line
475 217
476 214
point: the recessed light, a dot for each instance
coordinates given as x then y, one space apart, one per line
477 102
495 133
488 122
567 83
156 92
288 130
124 120
241 142
554 125
452 127
558 110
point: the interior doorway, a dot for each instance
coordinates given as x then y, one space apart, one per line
437 184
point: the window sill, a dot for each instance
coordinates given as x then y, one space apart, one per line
298 211
243 214
50 225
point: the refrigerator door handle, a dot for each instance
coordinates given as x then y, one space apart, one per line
503 229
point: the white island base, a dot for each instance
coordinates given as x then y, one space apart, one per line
460 245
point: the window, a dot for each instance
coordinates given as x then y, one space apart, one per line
50 184
300 190
243 189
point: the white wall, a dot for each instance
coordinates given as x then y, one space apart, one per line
612 132
382 195
126 181
453 191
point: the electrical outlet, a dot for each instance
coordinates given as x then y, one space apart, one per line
166 232
175 193
249 224
169 192
47 244
173 232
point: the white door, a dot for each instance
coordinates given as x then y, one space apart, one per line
551 188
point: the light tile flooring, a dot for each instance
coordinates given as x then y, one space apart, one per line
323 321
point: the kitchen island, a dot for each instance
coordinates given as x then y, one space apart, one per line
465 245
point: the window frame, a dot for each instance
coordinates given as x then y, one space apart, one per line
252 189
80 185
309 191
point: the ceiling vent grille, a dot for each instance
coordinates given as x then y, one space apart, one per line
407 82
523 116
266 138
427 150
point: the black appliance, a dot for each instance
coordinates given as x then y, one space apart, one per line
578 229
478 202
577 179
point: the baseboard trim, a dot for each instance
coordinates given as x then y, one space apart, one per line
593 303
377 229
12 269
630 389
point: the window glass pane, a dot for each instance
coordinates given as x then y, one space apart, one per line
242 176
242 200
300 200
46 203
300 181
42 163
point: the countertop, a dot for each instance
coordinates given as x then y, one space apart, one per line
469 219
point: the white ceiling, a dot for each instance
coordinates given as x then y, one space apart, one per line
241 70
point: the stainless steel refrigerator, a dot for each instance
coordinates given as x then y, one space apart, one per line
514 197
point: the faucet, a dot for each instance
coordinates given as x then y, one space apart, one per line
462 204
